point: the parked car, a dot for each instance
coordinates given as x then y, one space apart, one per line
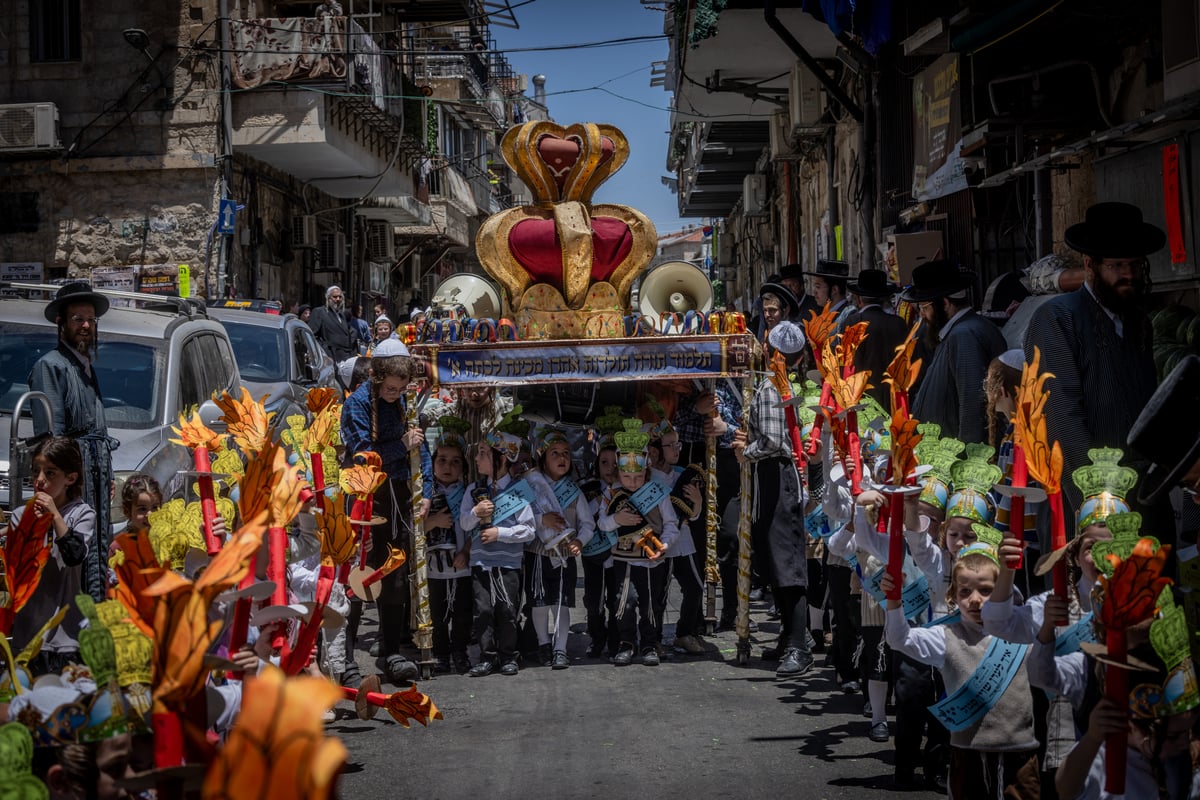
157 357
278 357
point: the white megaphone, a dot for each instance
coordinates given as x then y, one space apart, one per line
466 296
675 287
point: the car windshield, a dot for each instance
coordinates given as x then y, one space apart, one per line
129 372
258 350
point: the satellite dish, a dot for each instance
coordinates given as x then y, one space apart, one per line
466 296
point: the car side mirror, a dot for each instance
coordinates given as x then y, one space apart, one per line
210 414
310 373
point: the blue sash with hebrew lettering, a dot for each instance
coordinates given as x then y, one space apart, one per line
914 595
454 498
951 618
647 498
565 492
971 701
513 500
1069 640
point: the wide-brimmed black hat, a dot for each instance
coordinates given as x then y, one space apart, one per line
872 283
794 271
1115 230
935 279
1167 432
783 293
837 270
76 292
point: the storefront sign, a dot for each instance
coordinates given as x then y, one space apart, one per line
937 134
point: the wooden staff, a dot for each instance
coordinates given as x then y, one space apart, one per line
742 623
422 620
712 575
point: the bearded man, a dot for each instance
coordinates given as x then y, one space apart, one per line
1096 341
67 376
332 326
963 345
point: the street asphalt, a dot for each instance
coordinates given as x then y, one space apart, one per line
696 726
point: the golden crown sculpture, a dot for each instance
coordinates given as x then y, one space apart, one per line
566 265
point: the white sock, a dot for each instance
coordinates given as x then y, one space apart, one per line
815 616
562 629
541 623
877 693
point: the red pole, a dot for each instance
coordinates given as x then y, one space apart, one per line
895 543
277 572
208 503
241 613
1116 689
1016 508
1058 539
318 471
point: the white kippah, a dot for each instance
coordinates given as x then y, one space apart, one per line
787 338
1014 358
389 347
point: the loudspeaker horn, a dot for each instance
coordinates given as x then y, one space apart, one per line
675 286
466 295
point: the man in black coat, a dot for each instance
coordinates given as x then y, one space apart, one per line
963 345
1097 340
885 331
792 276
332 327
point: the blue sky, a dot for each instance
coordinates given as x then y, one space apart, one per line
623 70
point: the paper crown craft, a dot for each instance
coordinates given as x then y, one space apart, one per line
454 432
607 424
631 447
1104 484
550 436
1174 690
973 478
987 542
1126 529
939 456
509 434
566 264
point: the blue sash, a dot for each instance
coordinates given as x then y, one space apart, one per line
601 542
1069 640
817 524
454 498
914 595
971 701
565 492
951 618
647 498
513 500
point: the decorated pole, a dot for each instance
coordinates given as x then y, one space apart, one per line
208 502
1016 508
712 521
422 621
402 705
818 328
745 545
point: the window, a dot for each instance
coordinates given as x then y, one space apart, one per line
192 389
19 212
54 31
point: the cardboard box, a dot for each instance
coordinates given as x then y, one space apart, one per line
913 249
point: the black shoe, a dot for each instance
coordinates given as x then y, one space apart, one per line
879 732
936 782
650 657
772 653
867 710
756 595
772 613
794 663
818 641
482 668
545 655
398 669
441 664
560 660
351 678
726 623
596 650
510 668
376 649
623 658
462 665
851 687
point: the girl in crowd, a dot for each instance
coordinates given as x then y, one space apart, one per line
500 519
131 556
57 489
599 578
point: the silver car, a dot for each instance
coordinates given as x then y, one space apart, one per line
278 357
153 362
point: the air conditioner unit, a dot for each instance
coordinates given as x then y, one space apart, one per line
806 100
754 195
725 249
331 252
381 240
29 127
781 135
304 231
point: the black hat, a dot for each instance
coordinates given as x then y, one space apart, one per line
872 283
935 279
1115 230
835 270
794 271
1167 432
783 293
75 292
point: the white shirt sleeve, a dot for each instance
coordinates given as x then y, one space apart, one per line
1012 623
927 645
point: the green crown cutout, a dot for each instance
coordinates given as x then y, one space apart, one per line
979 451
632 439
988 535
1126 530
16 764
1105 474
871 414
96 644
1169 635
930 431
974 472
655 406
549 436
513 425
611 421
452 424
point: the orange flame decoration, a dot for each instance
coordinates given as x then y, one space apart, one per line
270 485
338 542
278 747
1045 460
1131 594
411 704
24 556
849 341
362 480
320 398
819 327
194 433
902 373
321 433
904 439
247 420
849 390
183 633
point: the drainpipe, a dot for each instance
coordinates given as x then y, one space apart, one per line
831 194
810 63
